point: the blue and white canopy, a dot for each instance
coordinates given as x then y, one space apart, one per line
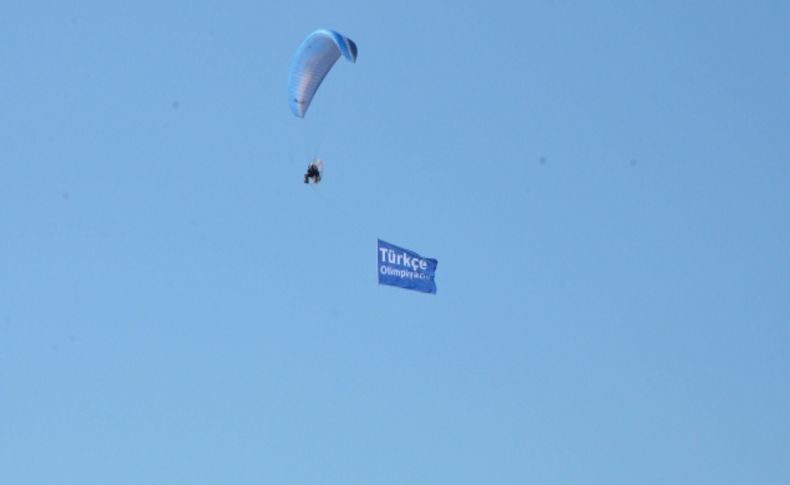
311 63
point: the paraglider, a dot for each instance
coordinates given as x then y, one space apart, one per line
311 63
313 173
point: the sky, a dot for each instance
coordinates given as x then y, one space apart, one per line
605 186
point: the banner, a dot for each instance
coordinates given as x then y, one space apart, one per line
405 269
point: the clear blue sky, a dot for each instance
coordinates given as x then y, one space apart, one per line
606 186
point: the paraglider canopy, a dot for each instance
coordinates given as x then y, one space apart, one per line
311 63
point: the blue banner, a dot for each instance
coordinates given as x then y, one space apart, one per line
406 269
